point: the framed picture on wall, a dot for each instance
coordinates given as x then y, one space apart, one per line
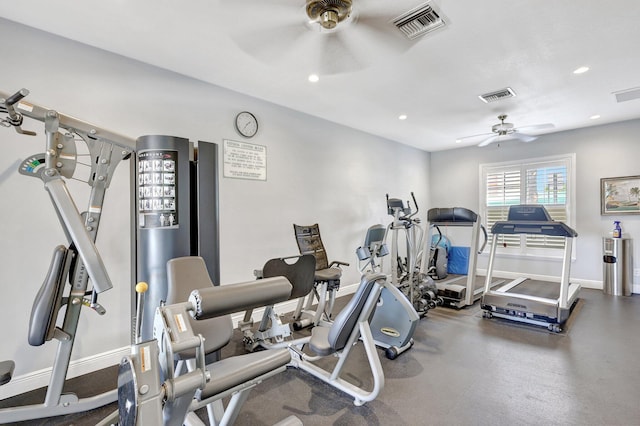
620 195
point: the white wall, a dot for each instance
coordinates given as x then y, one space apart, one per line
601 151
317 172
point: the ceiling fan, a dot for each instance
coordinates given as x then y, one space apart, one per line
318 36
508 129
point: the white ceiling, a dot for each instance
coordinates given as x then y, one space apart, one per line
264 48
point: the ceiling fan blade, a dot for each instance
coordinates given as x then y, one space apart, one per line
523 137
261 25
543 126
264 43
488 140
473 136
335 54
378 32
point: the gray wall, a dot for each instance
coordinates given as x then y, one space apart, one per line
601 151
317 172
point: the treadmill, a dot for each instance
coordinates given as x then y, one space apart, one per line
461 290
525 300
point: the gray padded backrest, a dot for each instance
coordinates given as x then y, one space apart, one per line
347 319
48 300
300 273
184 275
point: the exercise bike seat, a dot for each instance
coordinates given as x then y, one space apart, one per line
300 273
48 300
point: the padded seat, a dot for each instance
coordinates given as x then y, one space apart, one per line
319 342
185 275
231 372
329 274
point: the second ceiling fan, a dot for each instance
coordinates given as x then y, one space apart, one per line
505 130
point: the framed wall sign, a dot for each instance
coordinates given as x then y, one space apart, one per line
243 160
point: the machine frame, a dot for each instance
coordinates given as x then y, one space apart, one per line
504 303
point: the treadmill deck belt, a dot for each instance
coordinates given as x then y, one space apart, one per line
545 289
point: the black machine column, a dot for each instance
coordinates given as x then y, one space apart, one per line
176 213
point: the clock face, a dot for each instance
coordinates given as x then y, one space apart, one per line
246 124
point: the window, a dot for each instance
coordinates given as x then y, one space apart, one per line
547 181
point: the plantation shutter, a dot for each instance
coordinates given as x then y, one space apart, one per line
535 182
503 190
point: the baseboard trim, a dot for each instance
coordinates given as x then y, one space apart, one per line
38 379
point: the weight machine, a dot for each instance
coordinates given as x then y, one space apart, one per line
77 263
152 390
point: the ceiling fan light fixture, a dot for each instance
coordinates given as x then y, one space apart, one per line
328 13
329 19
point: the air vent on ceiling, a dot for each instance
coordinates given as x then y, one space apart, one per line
419 21
497 95
627 95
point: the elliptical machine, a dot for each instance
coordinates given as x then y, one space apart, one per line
394 321
407 274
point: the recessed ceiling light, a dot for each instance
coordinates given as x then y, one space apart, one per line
314 78
458 140
581 70
402 117
594 117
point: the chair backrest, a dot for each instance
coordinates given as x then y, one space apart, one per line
346 321
186 274
299 273
309 242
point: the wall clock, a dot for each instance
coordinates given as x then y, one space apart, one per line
246 124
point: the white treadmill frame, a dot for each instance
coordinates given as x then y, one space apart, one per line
471 294
524 308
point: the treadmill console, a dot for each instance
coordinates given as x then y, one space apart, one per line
529 212
532 219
